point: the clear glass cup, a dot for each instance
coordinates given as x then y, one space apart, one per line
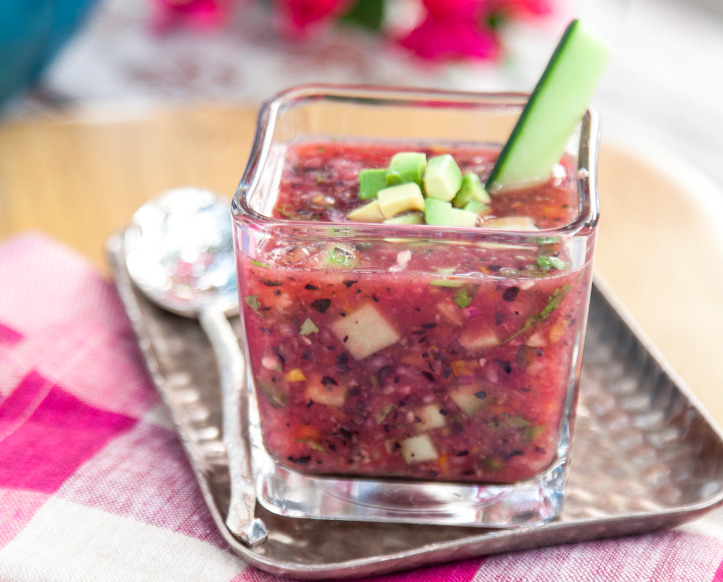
386 385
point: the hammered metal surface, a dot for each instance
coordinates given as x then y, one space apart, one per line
644 457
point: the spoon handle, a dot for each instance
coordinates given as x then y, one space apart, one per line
232 372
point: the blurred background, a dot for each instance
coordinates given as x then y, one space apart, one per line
662 89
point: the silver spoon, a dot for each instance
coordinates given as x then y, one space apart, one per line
179 251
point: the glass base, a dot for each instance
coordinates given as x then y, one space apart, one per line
293 494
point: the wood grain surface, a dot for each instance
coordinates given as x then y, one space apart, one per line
81 177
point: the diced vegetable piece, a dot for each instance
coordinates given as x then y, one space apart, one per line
341 255
402 198
406 167
459 217
406 218
371 181
556 105
325 391
511 223
470 398
442 178
365 331
451 312
478 334
477 207
431 417
370 212
437 212
295 375
418 449
471 190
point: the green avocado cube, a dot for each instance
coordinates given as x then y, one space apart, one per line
371 181
471 189
406 167
437 212
459 217
477 208
442 178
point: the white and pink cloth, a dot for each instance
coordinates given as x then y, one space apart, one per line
95 486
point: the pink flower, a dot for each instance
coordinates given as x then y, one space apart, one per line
454 9
452 29
516 8
201 14
300 19
451 39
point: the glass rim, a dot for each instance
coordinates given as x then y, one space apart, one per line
585 178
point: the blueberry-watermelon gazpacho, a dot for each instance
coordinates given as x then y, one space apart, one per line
414 357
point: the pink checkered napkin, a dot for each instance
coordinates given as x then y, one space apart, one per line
94 485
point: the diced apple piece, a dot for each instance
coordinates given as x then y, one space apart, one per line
478 334
418 449
431 417
325 392
511 223
470 398
451 312
365 331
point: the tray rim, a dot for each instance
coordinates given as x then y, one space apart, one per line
434 552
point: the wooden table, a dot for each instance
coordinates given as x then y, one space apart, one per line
79 179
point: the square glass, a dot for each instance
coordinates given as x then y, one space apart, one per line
407 372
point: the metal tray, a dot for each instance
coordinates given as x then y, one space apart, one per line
645 457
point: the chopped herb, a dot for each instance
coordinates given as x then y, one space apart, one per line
462 297
308 327
547 263
342 257
547 240
259 264
253 302
312 444
446 283
276 398
553 302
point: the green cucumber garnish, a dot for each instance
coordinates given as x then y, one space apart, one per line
555 106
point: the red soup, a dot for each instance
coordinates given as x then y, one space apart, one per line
412 358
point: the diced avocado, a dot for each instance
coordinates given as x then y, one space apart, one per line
418 449
406 167
459 217
437 212
370 212
406 218
470 398
325 392
442 178
478 334
477 207
556 105
371 181
431 417
365 331
471 190
341 255
400 198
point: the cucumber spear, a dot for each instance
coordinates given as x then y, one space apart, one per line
555 106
